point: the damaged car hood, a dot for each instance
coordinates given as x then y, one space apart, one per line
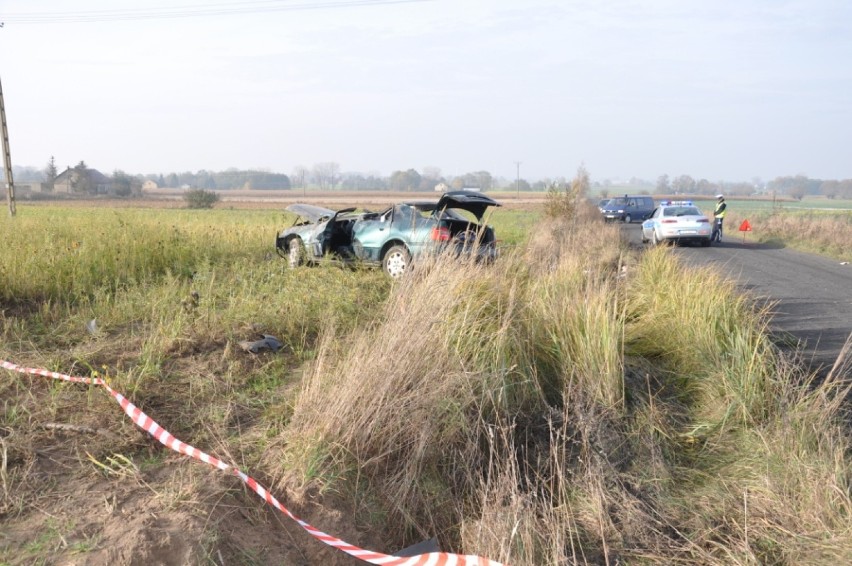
314 213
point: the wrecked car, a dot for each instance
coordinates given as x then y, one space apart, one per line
393 237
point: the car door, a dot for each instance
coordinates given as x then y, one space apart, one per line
649 225
411 227
370 234
401 222
647 208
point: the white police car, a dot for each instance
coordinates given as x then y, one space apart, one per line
677 221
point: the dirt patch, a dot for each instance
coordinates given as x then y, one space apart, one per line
175 513
74 496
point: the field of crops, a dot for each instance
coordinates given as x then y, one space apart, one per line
531 411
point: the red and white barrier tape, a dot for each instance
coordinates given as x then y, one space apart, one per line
147 424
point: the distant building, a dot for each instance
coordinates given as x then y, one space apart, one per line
89 181
441 187
149 185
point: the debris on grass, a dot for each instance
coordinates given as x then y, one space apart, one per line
266 342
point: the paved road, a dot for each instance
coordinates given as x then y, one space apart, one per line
813 295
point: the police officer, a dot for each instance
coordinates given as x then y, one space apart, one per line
719 215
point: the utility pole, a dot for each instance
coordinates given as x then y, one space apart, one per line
7 158
518 178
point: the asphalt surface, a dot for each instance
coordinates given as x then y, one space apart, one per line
812 295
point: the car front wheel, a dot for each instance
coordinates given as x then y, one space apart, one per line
396 261
654 239
628 219
295 253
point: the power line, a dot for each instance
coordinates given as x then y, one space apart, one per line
7 158
190 11
518 181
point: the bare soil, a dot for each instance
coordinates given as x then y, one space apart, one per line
105 492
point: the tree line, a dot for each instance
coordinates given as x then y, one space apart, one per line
328 176
795 186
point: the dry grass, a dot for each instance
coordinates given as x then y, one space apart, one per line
536 412
572 403
827 233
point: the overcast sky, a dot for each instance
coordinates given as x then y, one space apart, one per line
717 89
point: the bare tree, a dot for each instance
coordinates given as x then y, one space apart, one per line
705 187
299 174
683 184
581 182
327 174
432 172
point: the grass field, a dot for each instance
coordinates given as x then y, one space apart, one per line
532 411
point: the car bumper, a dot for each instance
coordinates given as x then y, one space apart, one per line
686 238
698 234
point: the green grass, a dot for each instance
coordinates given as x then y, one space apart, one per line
562 405
761 207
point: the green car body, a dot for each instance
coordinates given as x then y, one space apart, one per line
391 238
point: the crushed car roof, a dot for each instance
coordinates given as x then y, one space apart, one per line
474 202
314 213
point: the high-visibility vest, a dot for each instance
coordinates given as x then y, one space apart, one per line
721 209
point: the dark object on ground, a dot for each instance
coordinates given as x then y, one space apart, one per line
424 547
266 342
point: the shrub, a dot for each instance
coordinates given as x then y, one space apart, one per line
564 201
199 198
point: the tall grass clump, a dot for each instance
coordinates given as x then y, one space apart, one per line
574 403
710 340
458 352
392 401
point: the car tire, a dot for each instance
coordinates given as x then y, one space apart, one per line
654 239
295 253
705 243
628 219
396 261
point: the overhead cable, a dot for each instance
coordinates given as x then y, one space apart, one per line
188 11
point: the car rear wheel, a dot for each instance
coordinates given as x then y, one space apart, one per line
396 261
295 253
705 243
